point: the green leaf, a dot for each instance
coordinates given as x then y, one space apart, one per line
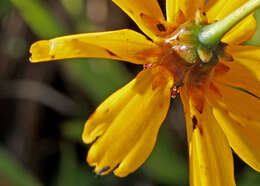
255 40
39 18
73 129
13 172
71 172
98 78
249 177
5 7
166 165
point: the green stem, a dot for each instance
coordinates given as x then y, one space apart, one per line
210 35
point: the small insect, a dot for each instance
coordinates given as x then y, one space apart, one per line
147 66
174 92
104 169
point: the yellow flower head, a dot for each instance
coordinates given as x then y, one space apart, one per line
219 87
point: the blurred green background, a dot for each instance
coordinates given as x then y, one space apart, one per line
43 107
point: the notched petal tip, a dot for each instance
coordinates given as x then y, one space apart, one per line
103 171
137 137
40 51
121 173
90 133
85 137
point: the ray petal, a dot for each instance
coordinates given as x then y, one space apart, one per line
211 161
125 45
244 71
128 123
237 112
187 7
147 15
243 31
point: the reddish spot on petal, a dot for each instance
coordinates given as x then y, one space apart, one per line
237 123
180 18
201 130
111 53
158 81
198 98
151 55
221 69
215 90
199 107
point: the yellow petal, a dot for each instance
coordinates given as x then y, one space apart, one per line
244 71
238 102
243 31
128 123
211 161
188 7
244 141
125 45
248 56
238 115
147 15
218 9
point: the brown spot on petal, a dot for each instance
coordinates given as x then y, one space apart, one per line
161 27
194 122
196 125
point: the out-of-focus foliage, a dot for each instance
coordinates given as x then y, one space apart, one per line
167 158
13 172
255 40
60 154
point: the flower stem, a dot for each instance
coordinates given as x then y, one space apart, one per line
210 35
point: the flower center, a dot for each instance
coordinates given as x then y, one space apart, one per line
192 51
190 63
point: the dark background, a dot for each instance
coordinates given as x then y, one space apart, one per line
43 106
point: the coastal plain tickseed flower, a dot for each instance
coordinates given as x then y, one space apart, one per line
219 88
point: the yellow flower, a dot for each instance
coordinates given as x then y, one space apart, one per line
220 90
